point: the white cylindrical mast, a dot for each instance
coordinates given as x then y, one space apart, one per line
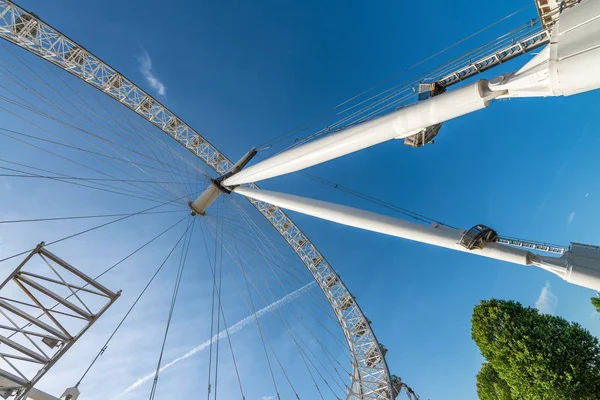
580 264
437 235
399 124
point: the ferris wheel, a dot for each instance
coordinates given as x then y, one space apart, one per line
87 122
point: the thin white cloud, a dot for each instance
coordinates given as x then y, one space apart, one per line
571 217
587 195
546 301
238 326
151 79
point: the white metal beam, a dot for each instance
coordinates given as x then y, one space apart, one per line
397 125
579 265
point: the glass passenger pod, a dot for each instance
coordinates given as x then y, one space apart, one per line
477 237
26 26
115 82
374 356
361 327
397 385
346 302
427 135
331 280
75 57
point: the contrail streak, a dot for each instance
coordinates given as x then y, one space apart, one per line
238 326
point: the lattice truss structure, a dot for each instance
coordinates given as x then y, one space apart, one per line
46 304
371 377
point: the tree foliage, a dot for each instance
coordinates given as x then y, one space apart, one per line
533 356
596 303
490 386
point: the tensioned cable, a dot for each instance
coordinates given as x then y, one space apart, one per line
383 203
261 238
86 151
75 162
69 181
315 120
109 269
378 107
252 310
249 282
287 323
222 312
52 134
219 305
18 221
257 233
103 349
80 178
90 229
38 94
182 262
91 109
212 306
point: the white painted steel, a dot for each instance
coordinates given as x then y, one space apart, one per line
201 204
579 265
369 379
397 125
435 234
568 65
34 394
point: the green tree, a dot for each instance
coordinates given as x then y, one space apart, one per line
596 303
490 386
534 356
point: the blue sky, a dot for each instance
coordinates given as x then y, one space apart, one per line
242 73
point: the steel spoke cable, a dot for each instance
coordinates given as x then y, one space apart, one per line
85 151
222 312
74 217
68 180
130 122
249 282
72 103
28 121
259 233
122 260
91 229
219 305
263 273
306 361
252 310
251 248
73 161
112 335
212 306
374 200
45 130
287 323
326 310
297 303
79 178
182 262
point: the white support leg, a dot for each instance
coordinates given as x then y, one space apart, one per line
580 265
568 65
436 235
399 124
